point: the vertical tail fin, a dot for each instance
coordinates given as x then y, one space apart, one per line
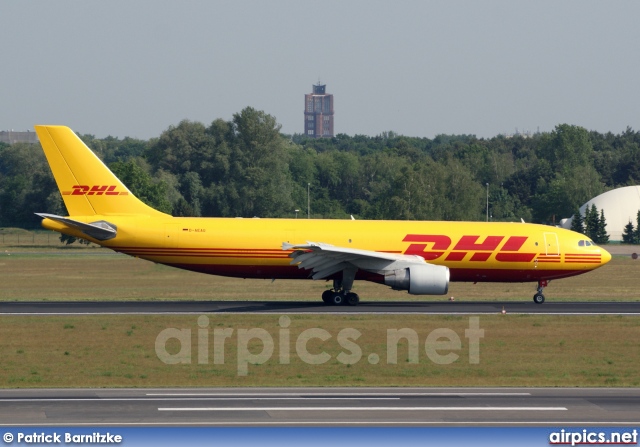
87 186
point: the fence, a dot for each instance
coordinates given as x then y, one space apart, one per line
31 238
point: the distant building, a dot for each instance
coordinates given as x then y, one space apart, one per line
318 113
11 137
620 207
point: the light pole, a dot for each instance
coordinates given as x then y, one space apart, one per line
308 202
487 202
296 213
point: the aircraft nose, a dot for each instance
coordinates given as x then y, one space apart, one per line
605 256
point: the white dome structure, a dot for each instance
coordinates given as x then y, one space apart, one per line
620 206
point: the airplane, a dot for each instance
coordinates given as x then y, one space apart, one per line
421 257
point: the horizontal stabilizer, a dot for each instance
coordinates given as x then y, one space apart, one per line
100 230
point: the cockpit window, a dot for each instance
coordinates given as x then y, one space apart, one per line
581 244
584 243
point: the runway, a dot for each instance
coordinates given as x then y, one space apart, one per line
312 307
321 406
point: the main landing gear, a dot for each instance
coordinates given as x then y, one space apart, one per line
341 292
340 297
538 298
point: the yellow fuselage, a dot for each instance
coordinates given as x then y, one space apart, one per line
252 248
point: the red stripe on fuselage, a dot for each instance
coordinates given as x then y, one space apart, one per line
515 257
293 272
150 249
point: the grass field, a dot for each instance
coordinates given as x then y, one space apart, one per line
516 350
121 351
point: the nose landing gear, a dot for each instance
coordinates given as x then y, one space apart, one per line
538 298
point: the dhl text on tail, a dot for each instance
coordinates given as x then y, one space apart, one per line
420 257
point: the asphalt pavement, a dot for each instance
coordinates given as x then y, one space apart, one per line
321 406
313 307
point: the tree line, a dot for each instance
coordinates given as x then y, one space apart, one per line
245 167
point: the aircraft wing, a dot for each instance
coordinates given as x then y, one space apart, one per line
324 259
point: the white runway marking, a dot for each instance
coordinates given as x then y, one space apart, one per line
441 394
364 409
260 396
355 313
204 398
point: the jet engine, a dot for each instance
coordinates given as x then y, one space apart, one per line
426 279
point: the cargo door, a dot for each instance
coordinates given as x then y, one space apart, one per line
551 244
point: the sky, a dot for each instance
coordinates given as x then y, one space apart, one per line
419 68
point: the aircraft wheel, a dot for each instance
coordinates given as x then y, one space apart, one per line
327 296
337 298
353 299
538 298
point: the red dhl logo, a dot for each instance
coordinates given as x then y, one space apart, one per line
439 244
97 190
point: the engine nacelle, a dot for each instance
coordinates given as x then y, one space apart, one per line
427 279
